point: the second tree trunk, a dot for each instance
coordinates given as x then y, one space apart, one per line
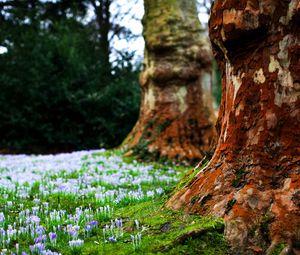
176 117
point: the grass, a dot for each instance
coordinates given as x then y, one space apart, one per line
166 227
113 204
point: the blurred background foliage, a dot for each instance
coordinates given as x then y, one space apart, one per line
58 92
63 84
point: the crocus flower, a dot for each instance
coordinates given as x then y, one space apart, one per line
39 239
119 223
137 224
76 243
93 223
52 236
2 217
112 239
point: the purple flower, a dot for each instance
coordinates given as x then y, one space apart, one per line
39 239
24 253
88 227
38 247
52 236
40 230
73 232
119 223
2 217
93 223
112 239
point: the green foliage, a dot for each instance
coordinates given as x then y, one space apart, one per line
54 94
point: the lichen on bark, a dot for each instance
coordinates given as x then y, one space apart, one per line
175 85
253 179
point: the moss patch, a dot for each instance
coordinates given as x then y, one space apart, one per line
162 126
278 249
229 206
189 176
185 234
239 180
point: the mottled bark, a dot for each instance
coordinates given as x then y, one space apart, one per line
176 120
253 179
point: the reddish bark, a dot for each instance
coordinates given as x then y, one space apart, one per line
176 117
253 179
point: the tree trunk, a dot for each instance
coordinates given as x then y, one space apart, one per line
175 119
253 178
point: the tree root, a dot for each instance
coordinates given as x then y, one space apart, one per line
191 235
288 250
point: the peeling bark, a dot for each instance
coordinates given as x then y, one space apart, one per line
253 179
176 115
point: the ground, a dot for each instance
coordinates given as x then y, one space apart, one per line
97 202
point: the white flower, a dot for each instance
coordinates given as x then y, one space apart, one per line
76 243
2 217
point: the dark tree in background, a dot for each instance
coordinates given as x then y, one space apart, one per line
59 90
108 16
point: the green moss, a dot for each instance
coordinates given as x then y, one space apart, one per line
162 126
194 199
150 123
154 216
141 149
169 16
156 240
264 226
239 178
278 249
189 176
230 204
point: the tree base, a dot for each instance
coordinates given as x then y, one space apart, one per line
261 214
176 127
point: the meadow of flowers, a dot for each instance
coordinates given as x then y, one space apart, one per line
58 204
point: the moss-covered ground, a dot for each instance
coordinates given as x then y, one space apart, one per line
167 232
98 203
